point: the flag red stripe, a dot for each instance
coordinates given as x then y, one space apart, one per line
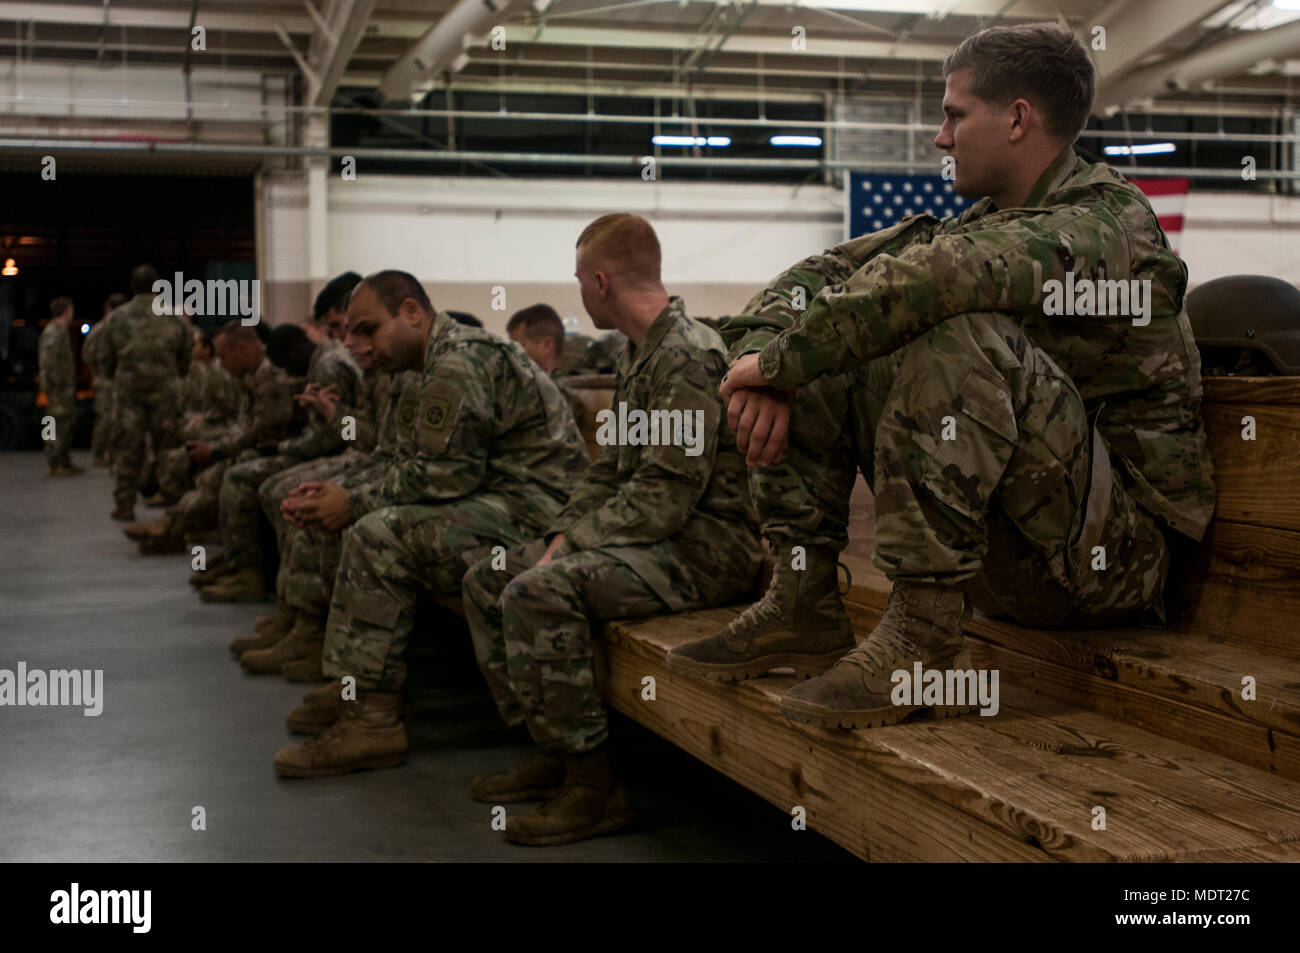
1155 187
1170 223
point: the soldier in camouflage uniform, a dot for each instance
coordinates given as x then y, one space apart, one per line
486 453
326 364
266 415
209 407
1045 463
652 529
309 556
145 354
101 440
58 371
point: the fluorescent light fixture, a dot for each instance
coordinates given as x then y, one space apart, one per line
1287 4
717 142
10 268
1150 149
808 141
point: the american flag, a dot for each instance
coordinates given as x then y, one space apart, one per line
878 200
1168 198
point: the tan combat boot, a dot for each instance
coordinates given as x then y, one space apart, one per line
320 708
238 585
799 623
922 623
590 803
162 536
306 636
307 669
270 629
123 514
369 736
215 569
139 531
537 778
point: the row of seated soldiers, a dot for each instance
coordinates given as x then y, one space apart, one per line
420 450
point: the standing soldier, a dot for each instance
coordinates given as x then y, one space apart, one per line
58 380
146 354
92 349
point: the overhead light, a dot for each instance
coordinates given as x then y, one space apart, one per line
807 141
1287 4
1150 149
717 142
85 329
10 268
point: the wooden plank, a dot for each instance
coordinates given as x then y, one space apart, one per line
1257 480
1187 668
1252 744
1244 588
1251 390
1031 774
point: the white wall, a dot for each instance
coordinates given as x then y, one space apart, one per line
721 243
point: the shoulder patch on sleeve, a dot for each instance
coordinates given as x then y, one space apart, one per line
439 407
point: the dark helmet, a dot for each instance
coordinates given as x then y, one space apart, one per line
1247 324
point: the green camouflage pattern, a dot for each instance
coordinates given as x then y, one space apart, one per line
266 410
636 496
485 419
532 628
583 354
101 439
59 381
485 454
330 366
309 558
649 530
874 295
303 553
209 392
388 556
240 519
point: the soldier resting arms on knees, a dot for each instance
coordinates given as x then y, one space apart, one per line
659 525
484 454
1045 466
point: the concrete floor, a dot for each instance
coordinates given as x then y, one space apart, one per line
184 726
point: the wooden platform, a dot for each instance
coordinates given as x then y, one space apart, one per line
1150 725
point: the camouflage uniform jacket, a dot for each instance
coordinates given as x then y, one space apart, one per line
142 350
92 351
57 367
372 406
208 390
585 355
265 410
875 294
330 364
485 419
637 494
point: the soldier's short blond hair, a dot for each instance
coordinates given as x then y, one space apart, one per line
625 245
1043 63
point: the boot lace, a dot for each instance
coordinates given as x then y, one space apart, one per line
881 650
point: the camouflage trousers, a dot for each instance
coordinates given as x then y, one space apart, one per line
175 474
58 450
388 556
101 438
138 412
197 509
309 558
532 630
987 470
240 513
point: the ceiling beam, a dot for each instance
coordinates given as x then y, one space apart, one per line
1137 28
348 24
